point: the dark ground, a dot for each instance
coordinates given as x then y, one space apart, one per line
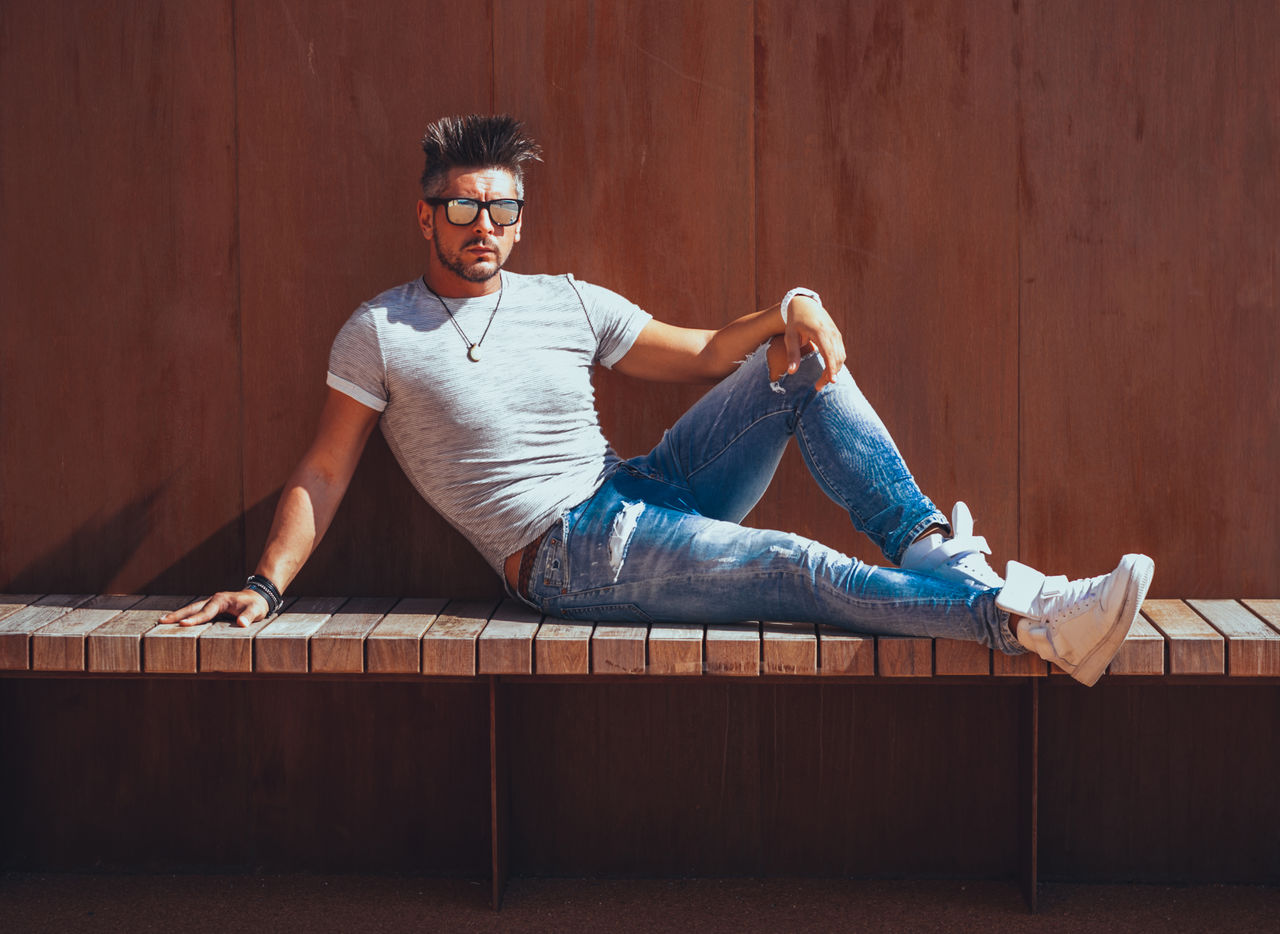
317 904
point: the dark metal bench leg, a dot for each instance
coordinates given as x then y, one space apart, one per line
1029 789
498 790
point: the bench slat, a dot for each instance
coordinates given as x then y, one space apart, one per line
11 603
226 647
1195 647
506 644
283 645
789 648
733 649
675 649
172 648
1020 666
904 657
449 646
395 644
1253 647
60 646
1267 609
959 657
618 649
1142 652
17 627
116 645
338 645
563 647
845 653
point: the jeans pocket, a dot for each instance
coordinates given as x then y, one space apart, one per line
607 613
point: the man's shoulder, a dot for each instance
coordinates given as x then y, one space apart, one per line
407 293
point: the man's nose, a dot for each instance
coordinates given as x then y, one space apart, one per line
484 223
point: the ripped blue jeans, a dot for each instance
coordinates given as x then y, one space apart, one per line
660 539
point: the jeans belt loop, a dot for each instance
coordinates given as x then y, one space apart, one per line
527 558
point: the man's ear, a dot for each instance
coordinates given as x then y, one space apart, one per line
426 220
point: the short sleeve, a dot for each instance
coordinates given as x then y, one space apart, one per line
616 321
356 366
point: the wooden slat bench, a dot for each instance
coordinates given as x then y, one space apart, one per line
1181 641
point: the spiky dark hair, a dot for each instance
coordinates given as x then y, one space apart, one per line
476 141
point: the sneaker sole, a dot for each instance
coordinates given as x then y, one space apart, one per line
1095 663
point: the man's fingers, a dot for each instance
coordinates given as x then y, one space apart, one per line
206 611
793 341
174 616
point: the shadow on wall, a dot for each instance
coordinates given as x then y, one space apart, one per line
384 540
98 555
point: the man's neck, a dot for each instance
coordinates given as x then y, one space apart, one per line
448 284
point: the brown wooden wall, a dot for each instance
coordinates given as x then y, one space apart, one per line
1049 231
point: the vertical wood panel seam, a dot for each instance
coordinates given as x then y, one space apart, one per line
236 247
1019 169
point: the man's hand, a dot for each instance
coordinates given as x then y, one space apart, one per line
809 325
246 606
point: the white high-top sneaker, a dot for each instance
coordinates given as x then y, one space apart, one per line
1078 625
959 557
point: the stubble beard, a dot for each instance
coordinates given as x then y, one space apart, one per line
476 272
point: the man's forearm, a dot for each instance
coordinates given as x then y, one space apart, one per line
307 506
731 344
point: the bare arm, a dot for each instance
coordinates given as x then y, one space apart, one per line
676 354
306 508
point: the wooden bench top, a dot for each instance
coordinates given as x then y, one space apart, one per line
465 638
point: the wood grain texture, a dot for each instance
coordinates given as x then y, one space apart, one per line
733 649
17 627
1253 647
675 649
904 657
170 648
886 157
338 645
1148 348
506 644
116 646
449 646
11 603
563 647
226 647
1194 647
1269 610
395 644
1142 652
845 653
618 649
573 70
283 645
961 657
126 490
60 646
788 648
1019 666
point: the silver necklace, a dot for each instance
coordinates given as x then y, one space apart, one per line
473 350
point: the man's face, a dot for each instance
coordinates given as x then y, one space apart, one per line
474 252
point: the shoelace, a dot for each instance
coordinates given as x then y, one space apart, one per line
1061 599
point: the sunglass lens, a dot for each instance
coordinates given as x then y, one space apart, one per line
504 213
462 211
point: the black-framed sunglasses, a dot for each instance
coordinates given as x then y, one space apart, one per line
463 211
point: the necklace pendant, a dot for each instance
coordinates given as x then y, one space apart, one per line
473 353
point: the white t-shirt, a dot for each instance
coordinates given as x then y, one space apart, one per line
502 446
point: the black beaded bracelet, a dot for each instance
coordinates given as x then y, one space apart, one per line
263 587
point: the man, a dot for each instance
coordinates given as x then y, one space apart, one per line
482 382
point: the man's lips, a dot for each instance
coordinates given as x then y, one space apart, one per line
481 248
